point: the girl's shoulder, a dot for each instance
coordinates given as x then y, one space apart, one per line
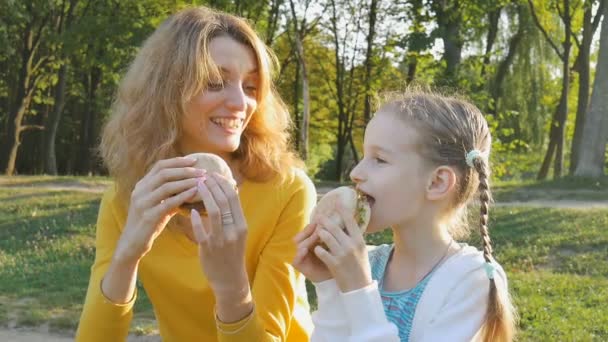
468 266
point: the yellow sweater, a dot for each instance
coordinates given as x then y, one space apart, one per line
173 279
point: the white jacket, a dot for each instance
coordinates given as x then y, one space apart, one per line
451 308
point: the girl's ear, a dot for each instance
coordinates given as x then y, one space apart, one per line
441 183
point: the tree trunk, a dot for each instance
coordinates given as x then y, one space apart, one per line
299 33
50 165
88 125
449 20
583 68
25 90
503 67
273 19
595 130
369 60
493 18
558 123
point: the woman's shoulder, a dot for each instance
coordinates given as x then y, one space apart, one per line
292 181
112 201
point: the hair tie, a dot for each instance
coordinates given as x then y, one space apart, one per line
490 269
471 156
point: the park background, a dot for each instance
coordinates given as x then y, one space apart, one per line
538 69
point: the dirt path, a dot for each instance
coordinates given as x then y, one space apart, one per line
39 335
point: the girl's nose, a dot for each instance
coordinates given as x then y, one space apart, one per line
357 174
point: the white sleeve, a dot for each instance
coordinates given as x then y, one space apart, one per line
366 317
462 316
330 321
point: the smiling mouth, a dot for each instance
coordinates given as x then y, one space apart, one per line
227 123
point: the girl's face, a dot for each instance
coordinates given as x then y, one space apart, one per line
215 118
391 172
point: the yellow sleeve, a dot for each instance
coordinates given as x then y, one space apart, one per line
276 282
102 320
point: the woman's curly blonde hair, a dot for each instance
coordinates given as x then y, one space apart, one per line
172 66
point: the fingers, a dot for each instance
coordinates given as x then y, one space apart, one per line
310 241
165 176
300 255
227 188
325 257
200 234
305 233
166 206
167 190
213 210
353 229
177 162
335 231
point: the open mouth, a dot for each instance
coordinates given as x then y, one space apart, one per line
369 199
228 123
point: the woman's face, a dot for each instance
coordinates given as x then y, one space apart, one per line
216 117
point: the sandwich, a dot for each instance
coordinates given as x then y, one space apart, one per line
211 163
350 200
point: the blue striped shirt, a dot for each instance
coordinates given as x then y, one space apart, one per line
399 306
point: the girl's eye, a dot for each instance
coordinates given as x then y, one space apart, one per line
215 86
379 160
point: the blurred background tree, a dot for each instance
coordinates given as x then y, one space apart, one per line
531 66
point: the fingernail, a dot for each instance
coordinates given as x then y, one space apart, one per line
190 159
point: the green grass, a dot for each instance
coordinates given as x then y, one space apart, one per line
46 250
555 259
567 188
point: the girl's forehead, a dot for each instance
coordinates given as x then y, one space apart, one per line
388 129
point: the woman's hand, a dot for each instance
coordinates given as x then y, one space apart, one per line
306 261
154 201
221 237
346 256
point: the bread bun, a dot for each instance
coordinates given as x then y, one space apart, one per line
350 200
211 163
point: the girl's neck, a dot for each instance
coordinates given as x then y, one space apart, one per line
418 249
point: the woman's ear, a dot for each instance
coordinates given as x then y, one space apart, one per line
441 183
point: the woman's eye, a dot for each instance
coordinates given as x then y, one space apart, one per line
380 160
251 90
215 86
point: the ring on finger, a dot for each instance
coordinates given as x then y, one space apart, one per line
227 218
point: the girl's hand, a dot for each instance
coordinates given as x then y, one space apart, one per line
221 238
154 201
306 261
346 257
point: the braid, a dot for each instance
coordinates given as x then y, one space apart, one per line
485 197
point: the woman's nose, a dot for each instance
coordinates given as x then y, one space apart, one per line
236 98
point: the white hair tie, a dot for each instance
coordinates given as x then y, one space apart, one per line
471 156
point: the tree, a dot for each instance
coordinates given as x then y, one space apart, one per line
36 20
558 122
595 131
582 66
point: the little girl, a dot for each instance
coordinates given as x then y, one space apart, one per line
425 158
